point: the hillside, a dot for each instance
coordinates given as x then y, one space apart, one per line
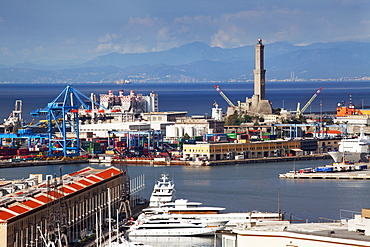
200 62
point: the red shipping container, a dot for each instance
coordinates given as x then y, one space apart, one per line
23 151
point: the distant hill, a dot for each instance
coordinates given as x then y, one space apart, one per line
199 62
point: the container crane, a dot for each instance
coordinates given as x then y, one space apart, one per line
62 114
224 96
301 111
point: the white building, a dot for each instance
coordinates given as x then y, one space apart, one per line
353 120
102 130
283 234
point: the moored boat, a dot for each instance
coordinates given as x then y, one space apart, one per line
168 226
352 150
163 192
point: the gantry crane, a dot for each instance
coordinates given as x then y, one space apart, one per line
224 96
62 114
301 111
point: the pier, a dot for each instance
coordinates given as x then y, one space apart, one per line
353 175
8 164
143 161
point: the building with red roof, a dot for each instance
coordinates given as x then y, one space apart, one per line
69 203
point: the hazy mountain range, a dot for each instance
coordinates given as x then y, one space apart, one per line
200 62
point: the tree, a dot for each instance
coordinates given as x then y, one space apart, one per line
186 136
233 119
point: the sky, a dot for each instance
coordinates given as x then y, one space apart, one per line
52 32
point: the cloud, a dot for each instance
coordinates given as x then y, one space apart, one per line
5 51
107 37
239 25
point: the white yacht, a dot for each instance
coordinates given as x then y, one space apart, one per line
352 150
169 217
170 226
184 209
163 192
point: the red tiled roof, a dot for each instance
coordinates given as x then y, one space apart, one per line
76 186
31 204
66 190
82 171
43 198
85 182
55 194
108 173
18 209
5 215
94 179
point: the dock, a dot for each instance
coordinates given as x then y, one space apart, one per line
144 161
7 164
352 175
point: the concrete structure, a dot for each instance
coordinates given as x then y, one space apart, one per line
149 120
281 233
193 126
64 208
224 151
102 130
361 222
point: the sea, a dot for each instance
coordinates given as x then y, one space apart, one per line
238 187
196 98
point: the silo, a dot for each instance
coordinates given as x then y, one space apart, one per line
189 130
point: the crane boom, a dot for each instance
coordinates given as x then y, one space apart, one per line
301 111
224 96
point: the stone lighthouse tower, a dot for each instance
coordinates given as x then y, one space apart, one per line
258 104
259 72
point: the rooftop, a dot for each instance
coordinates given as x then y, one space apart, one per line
17 200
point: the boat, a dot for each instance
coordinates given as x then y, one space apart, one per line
181 217
184 209
163 192
353 150
170 226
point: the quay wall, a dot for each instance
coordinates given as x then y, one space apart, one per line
8 164
220 162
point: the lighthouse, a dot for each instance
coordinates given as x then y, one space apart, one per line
259 72
257 104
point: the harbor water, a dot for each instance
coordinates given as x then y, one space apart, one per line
238 188
241 188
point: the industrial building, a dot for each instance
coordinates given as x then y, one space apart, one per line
66 208
231 151
260 149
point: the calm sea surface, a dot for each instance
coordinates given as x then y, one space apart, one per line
238 188
196 98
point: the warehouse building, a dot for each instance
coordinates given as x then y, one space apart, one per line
66 208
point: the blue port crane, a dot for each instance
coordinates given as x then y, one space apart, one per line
62 116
